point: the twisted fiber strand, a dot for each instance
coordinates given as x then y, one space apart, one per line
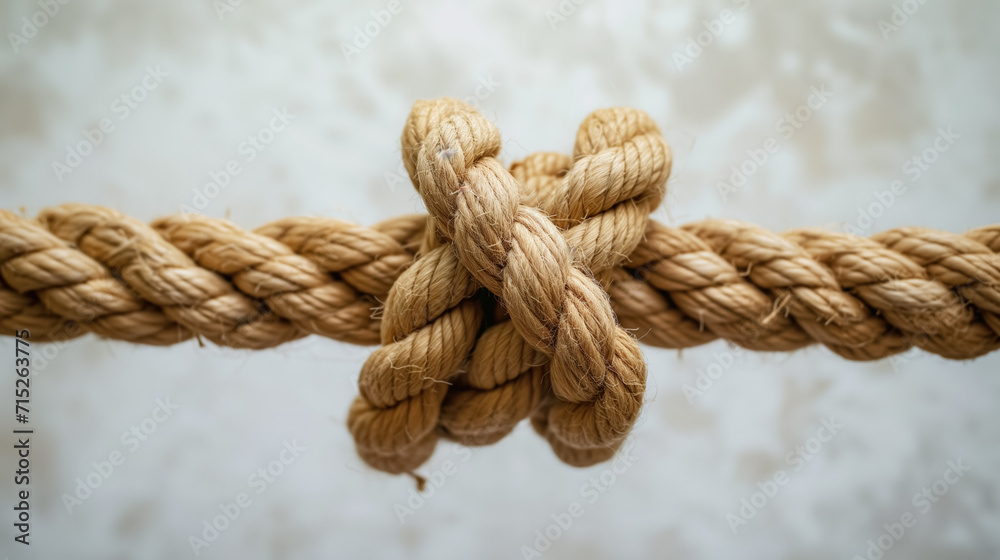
395 431
937 320
430 325
912 286
263 265
480 415
515 252
506 378
196 298
488 412
75 286
784 281
984 294
602 198
101 282
49 283
18 311
953 274
940 290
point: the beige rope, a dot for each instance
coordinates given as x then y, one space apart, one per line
540 340
602 202
676 290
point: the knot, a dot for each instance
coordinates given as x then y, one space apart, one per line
618 177
429 323
604 195
619 155
455 136
429 326
536 238
494 306
520 256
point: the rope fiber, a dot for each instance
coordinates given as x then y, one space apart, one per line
522 295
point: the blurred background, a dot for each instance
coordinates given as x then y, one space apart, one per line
851 93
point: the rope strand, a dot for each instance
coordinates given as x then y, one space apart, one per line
676 290
514 299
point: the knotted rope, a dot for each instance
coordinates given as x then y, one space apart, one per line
602 203
503 304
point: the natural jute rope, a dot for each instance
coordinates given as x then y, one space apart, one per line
514 299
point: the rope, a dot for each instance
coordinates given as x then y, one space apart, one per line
512 300
681 287
521 257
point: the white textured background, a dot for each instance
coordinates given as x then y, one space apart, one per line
694 462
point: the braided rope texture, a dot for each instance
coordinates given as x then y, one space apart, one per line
520 296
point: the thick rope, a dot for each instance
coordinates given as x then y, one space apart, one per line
487 412
48 282
700 295
125 280
513 250
537 237
602 202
